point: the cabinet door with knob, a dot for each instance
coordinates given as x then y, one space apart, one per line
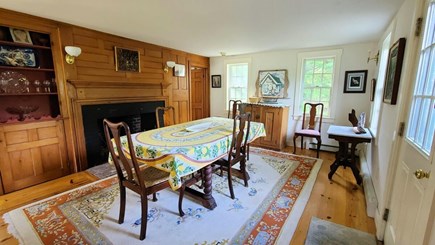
275 120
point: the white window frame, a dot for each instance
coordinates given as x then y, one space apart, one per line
225 77
336 55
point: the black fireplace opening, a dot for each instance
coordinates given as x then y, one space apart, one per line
140 116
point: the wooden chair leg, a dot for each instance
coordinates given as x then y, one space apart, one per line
230 183
180 200
319 143
122 204
294 144
154 197
143 226
302 142
247 151
243 169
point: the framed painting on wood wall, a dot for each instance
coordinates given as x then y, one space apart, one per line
127 59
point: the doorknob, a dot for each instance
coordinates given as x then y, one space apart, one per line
420 174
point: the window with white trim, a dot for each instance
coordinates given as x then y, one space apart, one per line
422 117
237 81
318 70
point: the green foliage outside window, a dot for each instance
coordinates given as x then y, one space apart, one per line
318 75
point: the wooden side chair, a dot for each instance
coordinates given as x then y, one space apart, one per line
310 130
233 108
160 115
236 153
143 181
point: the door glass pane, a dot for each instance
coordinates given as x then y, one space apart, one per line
421 119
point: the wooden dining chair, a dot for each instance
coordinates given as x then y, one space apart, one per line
233 108
310 130
160 116
142 180
236 154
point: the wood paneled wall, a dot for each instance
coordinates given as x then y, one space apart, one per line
97 64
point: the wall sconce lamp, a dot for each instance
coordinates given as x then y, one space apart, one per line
71 53
169 64
375 58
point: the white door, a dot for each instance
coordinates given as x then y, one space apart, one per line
413 189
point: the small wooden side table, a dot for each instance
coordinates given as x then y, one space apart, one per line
345 135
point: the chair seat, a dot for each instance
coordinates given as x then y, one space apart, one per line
154 176
308 132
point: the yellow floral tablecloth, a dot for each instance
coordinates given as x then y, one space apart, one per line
184 148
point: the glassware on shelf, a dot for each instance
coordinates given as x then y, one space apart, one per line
37 84
53 85
12 82
26 87
4 86
46 84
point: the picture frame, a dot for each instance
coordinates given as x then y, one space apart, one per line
272 85
179 70
394 70
127 59
20 35
373 89
11 56
355 81
216 81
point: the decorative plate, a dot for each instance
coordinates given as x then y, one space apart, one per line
17 56
14 82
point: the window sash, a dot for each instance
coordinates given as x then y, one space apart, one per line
317 81
237 82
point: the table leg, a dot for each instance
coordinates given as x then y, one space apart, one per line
333 168
340 157
353 166
206 198
208 201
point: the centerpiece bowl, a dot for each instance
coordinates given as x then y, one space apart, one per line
22 110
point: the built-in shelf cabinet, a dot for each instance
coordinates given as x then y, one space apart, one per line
32 137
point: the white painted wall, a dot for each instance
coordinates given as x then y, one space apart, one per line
382 153
354 57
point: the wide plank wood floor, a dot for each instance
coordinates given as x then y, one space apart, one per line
340 201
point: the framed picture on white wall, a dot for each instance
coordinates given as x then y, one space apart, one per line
355 81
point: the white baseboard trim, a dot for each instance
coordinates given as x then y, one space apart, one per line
369 189
380 225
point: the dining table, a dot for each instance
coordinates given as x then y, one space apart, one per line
184 149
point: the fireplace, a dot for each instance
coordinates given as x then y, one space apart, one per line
140 116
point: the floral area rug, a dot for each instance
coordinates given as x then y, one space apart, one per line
266 212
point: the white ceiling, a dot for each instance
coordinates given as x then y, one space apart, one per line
208 27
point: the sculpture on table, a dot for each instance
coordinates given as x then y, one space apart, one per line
358 124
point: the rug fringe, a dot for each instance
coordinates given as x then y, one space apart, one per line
11 228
